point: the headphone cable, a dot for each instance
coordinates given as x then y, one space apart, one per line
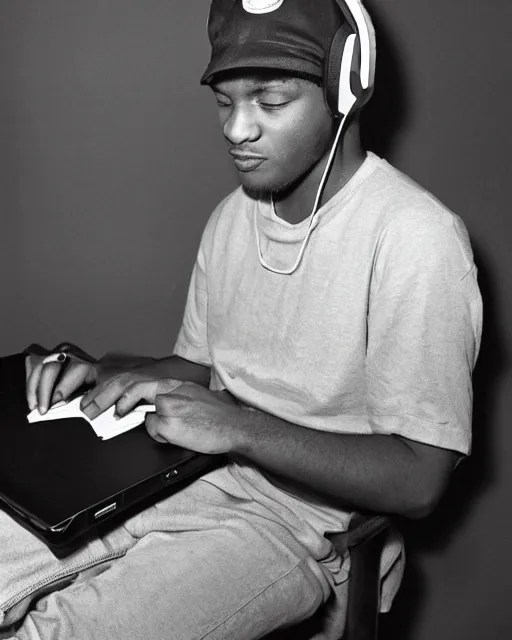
313 221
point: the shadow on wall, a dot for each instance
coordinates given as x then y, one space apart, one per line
386 113
471 479
381 121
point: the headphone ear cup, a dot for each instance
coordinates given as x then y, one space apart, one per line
332 68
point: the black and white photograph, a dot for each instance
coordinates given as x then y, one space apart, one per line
255 311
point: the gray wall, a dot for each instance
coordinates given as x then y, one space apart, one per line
111 161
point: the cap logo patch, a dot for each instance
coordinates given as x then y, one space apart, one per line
261 6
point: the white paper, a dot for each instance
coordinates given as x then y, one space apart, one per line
105 425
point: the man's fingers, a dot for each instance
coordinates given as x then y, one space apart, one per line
33 367
153 423
28 368
43 387
48 376
77 374
134 394
171 402
147 391
105 394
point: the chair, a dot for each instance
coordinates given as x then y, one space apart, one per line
364 539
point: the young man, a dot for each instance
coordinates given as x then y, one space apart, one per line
332 362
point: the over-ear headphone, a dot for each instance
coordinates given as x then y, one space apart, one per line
349 74
350 63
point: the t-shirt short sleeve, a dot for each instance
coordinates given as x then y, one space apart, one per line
424 327
192 340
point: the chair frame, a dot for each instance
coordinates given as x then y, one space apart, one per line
364 540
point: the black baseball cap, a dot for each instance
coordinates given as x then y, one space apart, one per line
288 35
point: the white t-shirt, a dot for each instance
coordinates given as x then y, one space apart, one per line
377 331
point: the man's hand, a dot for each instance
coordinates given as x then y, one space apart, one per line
49 382
195 418
125 389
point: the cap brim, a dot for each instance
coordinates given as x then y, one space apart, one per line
261 56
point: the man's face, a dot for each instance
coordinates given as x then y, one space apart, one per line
277 128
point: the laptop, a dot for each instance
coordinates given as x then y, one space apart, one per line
64 484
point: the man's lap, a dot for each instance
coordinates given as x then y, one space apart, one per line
200 564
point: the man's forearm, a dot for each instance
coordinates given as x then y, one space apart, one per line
379 473
167 367
181 369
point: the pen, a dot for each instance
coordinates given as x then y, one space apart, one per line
55 357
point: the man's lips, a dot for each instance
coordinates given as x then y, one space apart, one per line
246 162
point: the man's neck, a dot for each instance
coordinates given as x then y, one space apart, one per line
297 204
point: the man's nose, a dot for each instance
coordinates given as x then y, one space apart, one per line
240 126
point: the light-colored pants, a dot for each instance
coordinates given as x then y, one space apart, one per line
203 563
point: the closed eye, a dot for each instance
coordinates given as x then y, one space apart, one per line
273 105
